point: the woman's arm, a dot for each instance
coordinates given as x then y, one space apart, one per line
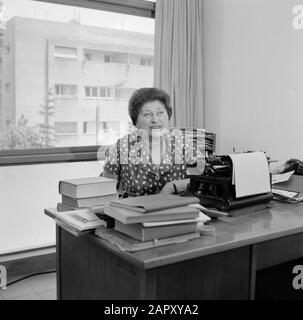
175 186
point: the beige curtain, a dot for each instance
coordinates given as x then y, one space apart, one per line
178 59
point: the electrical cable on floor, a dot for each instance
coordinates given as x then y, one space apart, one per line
29 276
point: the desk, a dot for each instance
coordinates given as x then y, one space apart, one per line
226 265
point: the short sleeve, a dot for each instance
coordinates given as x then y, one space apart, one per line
112 160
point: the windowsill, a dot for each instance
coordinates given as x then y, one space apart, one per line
48 155
98 98
67 97
66 134
117 63
66 58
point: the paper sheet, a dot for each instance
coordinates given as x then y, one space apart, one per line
250 174
276 178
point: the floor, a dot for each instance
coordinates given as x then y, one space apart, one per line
39 287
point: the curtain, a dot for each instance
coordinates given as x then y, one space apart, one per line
178 59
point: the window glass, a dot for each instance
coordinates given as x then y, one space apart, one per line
65 127
54 58
65 52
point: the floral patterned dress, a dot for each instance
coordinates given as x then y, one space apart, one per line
130 160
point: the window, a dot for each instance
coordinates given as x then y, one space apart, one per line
7 88
108 59
94 92
65 127
106 92
65 90
95 55
146 62
99 92
74 53
90 127
65 52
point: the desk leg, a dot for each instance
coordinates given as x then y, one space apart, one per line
58 261
253 272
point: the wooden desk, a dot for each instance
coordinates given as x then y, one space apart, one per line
226 265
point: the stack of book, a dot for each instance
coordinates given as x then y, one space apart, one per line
86 193
83 200
77 222
148 221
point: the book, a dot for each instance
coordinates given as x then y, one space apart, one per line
81 219
127 216
89 201
75 232
126 243
87 187
61 207
201 218
138 231
154 202
65 226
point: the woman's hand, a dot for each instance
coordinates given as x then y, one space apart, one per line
168 188
175 186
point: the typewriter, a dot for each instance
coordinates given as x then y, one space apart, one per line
214 187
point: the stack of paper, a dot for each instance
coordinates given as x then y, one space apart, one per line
290 190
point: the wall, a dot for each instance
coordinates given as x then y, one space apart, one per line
25 192
253 73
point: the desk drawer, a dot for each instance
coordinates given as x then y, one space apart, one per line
278 251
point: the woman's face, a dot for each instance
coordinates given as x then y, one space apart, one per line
153 118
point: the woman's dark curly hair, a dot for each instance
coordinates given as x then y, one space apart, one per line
143 95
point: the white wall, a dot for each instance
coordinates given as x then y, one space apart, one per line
253 76
25 191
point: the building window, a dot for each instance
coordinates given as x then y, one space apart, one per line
7 88
66 90
106 92
90 127
146 62
66 127
99 92
94 91
108 59
65 52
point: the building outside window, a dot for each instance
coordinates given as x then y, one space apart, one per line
59 57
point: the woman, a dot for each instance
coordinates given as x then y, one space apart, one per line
149 160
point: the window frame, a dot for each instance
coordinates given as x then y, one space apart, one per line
80 153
